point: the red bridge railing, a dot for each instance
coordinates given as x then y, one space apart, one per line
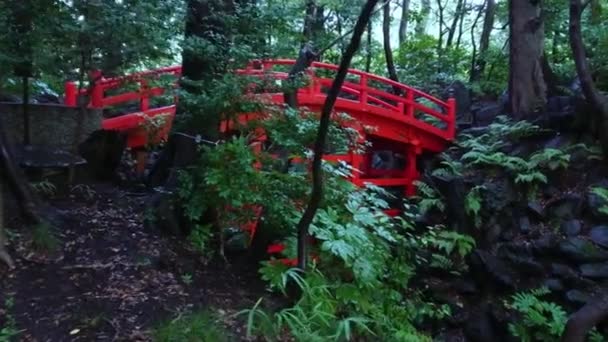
361 92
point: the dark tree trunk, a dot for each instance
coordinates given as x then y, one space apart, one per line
581 322
4 256
203 20
440 12
461 25
317 188
484 41
17 182
405 16
388 51
593 96
458 13
472 73
425 11
21 23
369 53
527 89
314 22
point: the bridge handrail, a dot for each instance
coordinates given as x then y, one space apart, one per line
369 95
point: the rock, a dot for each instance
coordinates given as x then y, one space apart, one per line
489 267
580 250
499 194
524 225
486 115
545 245
462 94
528 265
558 142
9 98
480 326
103 151
454 191
566 208
571 227
465 286
578 297
536 210
596 271
599 235
42 157
47 98
594 203
564 271
554 284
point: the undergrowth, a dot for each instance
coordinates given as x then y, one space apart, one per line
200 326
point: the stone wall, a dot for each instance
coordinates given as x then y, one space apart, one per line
52 125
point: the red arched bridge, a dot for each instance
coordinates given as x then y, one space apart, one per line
405 122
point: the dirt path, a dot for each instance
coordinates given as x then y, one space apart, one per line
116 279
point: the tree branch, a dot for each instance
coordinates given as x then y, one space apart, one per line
317 187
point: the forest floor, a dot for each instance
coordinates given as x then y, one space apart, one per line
114 279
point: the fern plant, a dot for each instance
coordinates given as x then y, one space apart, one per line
473 202
540 320
428 198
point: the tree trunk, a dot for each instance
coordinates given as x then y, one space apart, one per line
550 77
369 53
4 256
581 322
527 89
458 13
484 42
599 102
405 14
317 188
440 13
388 52
472 72
314 22
18 184
461 24
204 21
425 11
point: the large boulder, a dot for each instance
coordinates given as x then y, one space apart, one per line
599 235
580 250
462 95
484 114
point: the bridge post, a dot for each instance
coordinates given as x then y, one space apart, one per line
411 172
71 95
409 104
451 131
363 83
144 102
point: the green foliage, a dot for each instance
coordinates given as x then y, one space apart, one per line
448 248
8 331
602 193
451 63
44 187
428 198
541 320
43 238
201 238
473 203
200 326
